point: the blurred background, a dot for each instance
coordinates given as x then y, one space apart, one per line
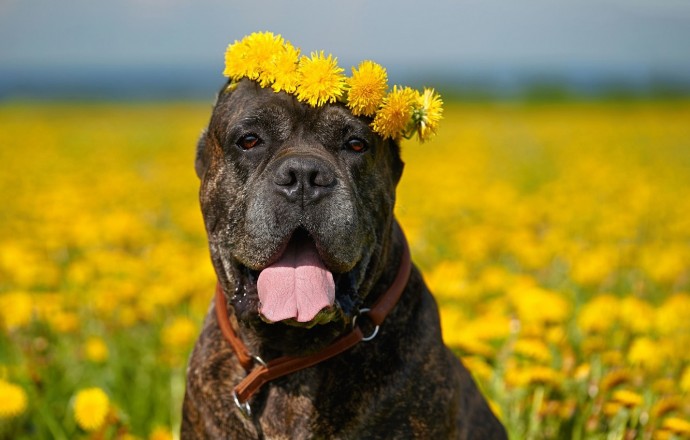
549 215
158 49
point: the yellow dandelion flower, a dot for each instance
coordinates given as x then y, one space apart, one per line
599 314
533 375
664 266
368 85
161 433
666 405
474 347
582 372
595 266
127 316
262 48
95 350
673 316
395 112
627 398
536 305
64 322
15 309
533 348
321 80
610 409
556 335
676 425
612 357
91 407
647 353
615 378
661 434
236 66
472 336
13 400
635 315
427 114
179 333
494 278
448 279
543 375
492 325
252 56
594 344
283 70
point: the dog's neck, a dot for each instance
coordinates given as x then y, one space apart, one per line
260 372
274 340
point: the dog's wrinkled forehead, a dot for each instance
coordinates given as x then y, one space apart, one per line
249 103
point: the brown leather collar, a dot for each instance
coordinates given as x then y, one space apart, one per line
264 372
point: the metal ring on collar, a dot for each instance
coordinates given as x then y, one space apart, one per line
258 360
376 329
244 408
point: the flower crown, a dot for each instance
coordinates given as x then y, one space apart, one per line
272 61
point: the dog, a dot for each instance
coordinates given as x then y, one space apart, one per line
298 207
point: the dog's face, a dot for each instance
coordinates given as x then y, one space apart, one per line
297 203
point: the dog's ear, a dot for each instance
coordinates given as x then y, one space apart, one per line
199 161
397 163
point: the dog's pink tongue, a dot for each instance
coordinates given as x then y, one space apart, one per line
297 286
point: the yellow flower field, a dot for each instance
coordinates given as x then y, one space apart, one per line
556 238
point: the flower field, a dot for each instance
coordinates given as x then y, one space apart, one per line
556 238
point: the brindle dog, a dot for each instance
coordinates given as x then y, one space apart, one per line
280 177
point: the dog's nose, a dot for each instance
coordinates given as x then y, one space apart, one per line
304 178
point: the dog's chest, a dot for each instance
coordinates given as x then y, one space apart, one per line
287 416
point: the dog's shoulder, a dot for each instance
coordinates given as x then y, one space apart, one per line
454 400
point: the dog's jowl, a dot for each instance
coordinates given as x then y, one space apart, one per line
321 327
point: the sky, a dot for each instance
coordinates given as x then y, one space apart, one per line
624 36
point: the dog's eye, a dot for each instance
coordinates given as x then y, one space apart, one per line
248 141
356 145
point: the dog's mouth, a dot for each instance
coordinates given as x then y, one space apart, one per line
297 288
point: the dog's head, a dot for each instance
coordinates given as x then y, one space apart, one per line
298 207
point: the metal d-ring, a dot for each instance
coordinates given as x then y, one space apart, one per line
258 360
244 408
376 329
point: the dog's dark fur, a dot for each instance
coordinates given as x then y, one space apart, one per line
303 177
